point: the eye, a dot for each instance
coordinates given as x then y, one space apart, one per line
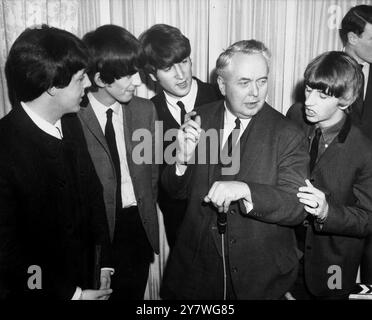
244 83
261 82
184 61
308 89
322 95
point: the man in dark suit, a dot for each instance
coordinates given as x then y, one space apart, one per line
167 52
110 122
338 199
52 211
356 35
252 246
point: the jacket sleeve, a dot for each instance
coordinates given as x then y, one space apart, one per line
278 203
355 219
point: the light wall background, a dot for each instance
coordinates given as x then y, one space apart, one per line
294 30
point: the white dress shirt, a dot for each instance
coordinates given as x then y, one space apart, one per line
53 130
188 101
127 193
365 70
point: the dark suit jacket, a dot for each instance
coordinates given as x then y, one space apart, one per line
52 210
362 117
173 210
138 114
262 248
344 173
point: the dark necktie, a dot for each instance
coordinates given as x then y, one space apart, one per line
232 140
359 102
314 148
183 111
111 141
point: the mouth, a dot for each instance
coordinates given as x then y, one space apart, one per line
182 85
310 112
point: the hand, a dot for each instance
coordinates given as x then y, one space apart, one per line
105 279
222 193
103 294
188 137
314 200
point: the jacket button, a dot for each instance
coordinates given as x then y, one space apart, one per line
234 270
232 211
305 223
232 241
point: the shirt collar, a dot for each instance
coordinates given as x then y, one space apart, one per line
188 100
229 119
331 132
53 130
100 109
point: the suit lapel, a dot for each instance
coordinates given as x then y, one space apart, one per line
215 122
250 146
88 116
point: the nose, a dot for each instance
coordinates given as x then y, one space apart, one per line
136 79
310 96
86 82
254 89
178 70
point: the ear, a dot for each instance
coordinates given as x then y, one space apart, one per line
352 38
221 85
153 77
52 91
98 81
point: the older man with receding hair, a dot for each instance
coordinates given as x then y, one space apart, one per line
235 242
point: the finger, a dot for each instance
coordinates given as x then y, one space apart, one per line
307 189
191 136
311 210
308 183
191 130
103 292
226 205
198 120
311 203
308 196
191 123
211 190
206 199
189 115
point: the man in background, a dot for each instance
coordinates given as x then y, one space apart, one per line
52 213
109 120
356 35
167 52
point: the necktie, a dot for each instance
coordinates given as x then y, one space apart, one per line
111 141
314 148
232 140
358 104
183 111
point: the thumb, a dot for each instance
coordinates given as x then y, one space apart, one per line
198 120
308 183
104 292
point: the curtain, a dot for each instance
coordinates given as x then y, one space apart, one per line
17 15
295 31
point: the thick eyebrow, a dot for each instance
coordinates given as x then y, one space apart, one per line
249 79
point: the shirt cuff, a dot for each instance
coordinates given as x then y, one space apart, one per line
112 271
248 205
180 169
77 294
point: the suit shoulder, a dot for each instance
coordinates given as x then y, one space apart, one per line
142 103
208 108
281 123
